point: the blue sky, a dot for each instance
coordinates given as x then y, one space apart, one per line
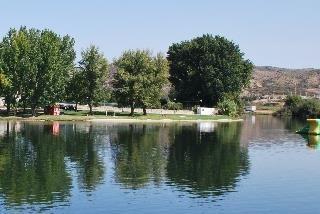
283 33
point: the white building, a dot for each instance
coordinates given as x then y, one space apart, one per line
206 111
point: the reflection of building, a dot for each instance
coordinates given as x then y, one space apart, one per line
8 126
206 127
55 128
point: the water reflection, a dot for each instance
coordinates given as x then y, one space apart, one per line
32 165
34 159
207 163
42 163
193 157
313 141
139 154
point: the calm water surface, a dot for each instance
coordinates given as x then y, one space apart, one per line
256 166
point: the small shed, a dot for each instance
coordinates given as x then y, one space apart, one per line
206 111
251 108
52 110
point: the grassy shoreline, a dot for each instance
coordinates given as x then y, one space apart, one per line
122 117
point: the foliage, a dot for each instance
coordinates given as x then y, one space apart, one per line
4 83
93 76
37 64
76 87
205 68
309 108
298 107
174 106
139 79
293 103
228 107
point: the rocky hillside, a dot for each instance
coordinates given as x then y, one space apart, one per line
272 80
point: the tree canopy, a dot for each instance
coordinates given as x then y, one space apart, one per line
139 79
206 68
36 63
94 70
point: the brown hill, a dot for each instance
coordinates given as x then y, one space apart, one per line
269 80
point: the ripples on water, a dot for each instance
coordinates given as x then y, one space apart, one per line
259 165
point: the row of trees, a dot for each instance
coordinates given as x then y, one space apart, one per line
37 68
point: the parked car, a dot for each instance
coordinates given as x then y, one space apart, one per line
67 106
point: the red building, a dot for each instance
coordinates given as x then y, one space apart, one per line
52 110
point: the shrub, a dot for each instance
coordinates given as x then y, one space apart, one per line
296 106
228 107
309 108
293 103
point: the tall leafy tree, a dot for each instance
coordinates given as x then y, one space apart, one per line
75 91
37 64
14 51
139 79
94 68
206 68
56 60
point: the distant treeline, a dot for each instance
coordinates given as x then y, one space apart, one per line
38 68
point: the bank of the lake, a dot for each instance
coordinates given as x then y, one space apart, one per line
124 117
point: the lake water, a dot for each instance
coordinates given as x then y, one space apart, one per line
256 166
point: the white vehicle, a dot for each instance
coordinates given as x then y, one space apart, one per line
251 108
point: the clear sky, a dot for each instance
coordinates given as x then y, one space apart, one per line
283 33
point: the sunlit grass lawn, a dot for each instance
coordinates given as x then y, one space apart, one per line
84 116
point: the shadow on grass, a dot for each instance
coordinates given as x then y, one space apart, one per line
100 113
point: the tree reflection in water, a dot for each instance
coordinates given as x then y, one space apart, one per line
38 160
33 161
32 166
202 163
207 163
139 155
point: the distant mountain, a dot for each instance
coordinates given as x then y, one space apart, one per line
269 80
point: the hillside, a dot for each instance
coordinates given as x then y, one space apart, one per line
269 80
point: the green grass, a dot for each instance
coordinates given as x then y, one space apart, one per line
84 116
126 115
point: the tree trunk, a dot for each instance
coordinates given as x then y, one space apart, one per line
15 111
24 106
33 111
144 110
90 106
76 108
132 109
8 108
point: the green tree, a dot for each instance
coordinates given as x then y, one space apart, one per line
206 68
139 79
95 69
75 91
14 51
56 60
37 64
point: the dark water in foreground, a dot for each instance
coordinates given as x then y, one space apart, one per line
256 166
